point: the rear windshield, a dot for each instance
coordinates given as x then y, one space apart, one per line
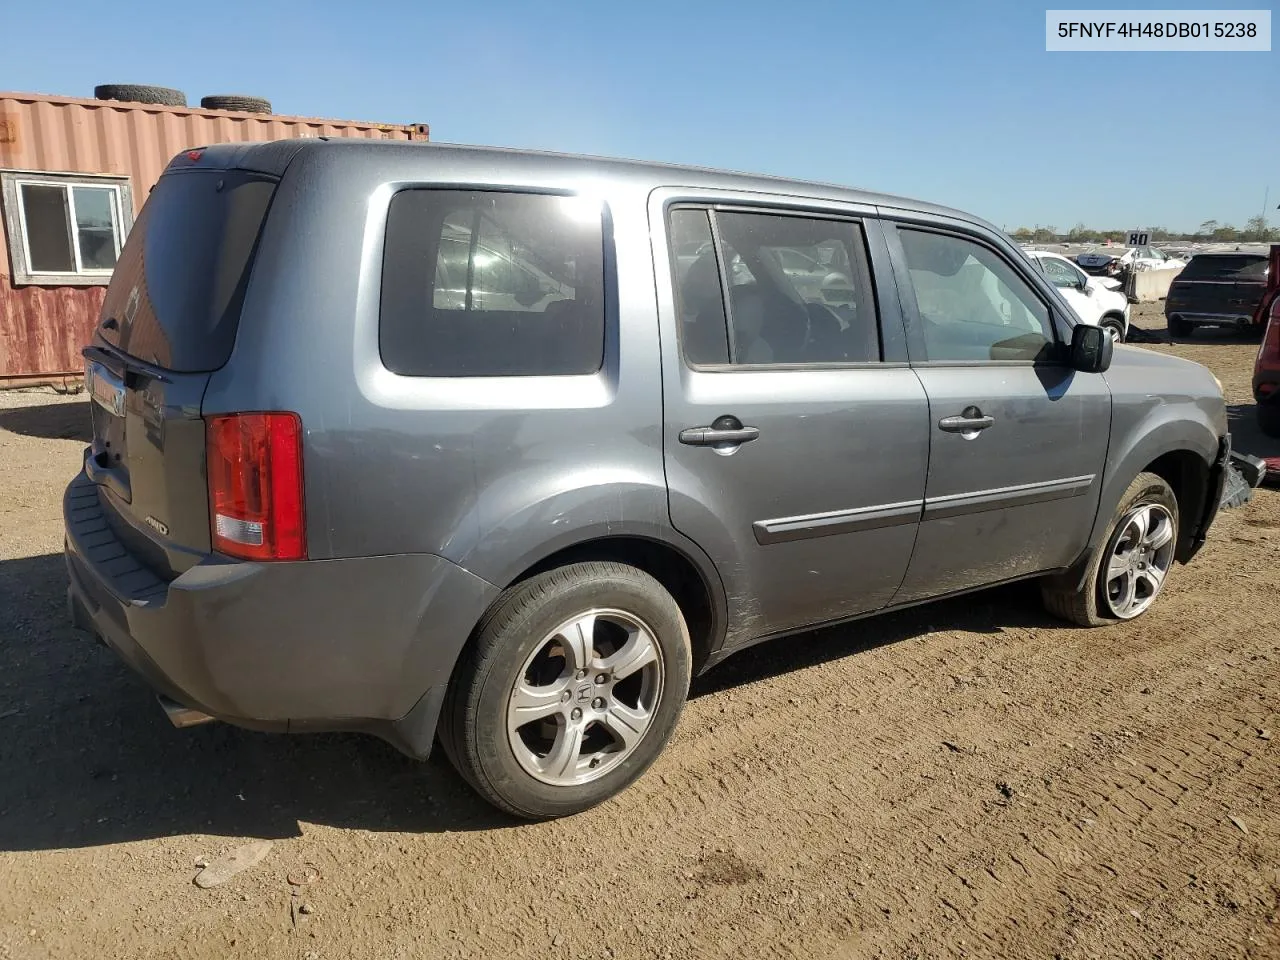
1232 267
178 286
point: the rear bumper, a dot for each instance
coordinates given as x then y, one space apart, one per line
1201 318
356 644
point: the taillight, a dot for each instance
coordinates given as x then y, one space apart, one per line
255 485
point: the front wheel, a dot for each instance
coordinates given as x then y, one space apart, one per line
1114 329
1128 570
569 690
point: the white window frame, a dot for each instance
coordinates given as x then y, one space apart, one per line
11 183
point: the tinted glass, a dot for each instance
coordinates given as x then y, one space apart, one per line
179 284
703 334
973 305
44 210
1226 267
799 290
482 283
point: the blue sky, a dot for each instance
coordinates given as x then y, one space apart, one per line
947 101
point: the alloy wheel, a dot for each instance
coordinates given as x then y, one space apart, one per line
1139 560
585 697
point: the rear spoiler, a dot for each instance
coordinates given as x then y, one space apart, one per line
270 157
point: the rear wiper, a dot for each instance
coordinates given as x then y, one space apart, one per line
113 356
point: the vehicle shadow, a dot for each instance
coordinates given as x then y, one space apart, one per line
88 757
986 611
50 421
1210 335
1246 437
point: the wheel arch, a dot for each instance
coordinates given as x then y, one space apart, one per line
687 575
1181 451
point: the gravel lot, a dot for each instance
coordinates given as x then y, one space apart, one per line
966 779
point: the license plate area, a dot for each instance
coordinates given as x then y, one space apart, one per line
107 411
105 388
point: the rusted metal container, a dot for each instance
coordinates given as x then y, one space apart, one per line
45 319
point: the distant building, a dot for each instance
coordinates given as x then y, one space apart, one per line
73 173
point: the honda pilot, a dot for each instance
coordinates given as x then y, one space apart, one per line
500 448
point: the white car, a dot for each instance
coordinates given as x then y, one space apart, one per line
1097 301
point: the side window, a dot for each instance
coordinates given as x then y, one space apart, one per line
704 337
799 290
483 284
1060 274
973 305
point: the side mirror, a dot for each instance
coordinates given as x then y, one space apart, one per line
1091 349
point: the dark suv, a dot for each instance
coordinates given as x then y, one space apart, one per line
1217 289
502 447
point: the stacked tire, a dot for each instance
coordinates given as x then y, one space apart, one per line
139 93
236 102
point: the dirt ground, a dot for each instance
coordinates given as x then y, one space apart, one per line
966 779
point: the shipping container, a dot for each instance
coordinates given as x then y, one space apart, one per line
73 174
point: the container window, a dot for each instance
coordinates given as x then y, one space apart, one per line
485 284
65 230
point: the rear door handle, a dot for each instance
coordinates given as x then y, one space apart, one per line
970 422
724 430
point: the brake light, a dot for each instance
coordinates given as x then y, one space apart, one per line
255 485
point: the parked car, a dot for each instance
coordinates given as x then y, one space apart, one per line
1118 262
1097 301
1266 366
1217 289
318 498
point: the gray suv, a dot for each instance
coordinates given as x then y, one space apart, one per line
501 448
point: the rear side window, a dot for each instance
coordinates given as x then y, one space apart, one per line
487 284
178 287
798 289
1225 268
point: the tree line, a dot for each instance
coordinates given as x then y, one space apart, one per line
1255 230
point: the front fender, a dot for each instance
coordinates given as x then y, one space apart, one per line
1144 429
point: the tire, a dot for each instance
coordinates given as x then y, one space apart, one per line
1115 328
1089 605
512 643
1236 491
1268 415
136 93
1179 328
236 102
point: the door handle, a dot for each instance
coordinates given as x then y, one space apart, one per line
969 423
724 430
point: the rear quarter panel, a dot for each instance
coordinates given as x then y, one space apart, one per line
492 473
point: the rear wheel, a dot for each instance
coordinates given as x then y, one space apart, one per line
1269 419
1179 327
571 688
1114 329
1128 570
